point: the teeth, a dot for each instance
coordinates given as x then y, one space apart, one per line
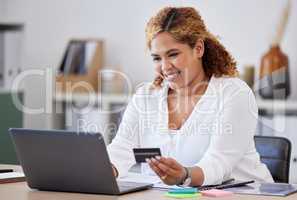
171 77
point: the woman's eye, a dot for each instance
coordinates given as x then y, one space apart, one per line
156 59
173 54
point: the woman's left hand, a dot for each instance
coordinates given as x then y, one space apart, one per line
168 169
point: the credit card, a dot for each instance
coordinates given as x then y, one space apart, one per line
143 153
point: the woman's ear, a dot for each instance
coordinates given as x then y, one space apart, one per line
199 48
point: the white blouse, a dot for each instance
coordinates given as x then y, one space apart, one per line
217 136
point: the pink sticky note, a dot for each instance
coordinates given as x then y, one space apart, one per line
216 193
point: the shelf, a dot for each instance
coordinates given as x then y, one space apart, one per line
277 106
11 27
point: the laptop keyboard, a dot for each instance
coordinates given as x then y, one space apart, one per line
125 185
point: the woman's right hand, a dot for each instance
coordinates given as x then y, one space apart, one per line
169 170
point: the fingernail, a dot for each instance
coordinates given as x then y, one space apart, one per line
153 159
158 157
147 160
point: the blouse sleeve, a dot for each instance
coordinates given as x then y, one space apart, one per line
237 119
127 137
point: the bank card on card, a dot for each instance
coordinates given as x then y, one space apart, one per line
143 153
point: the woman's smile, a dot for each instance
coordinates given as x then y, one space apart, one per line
172 76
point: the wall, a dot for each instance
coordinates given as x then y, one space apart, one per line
245 27
3 9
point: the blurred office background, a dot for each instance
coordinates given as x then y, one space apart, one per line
34 36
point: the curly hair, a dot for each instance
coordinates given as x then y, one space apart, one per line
186 26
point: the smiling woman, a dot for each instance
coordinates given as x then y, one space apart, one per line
186 26
200 115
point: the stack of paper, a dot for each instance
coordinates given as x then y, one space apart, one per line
12 177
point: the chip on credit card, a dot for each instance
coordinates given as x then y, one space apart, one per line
143 153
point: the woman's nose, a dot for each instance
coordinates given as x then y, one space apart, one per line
166 65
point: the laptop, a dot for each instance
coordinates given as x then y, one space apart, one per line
56 160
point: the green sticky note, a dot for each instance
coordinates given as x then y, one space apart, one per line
183 191
182 196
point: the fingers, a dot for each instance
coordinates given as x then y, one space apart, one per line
161 168
156 169
167 169
170 162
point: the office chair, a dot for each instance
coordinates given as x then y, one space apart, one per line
275 152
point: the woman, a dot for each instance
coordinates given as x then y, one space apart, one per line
200 115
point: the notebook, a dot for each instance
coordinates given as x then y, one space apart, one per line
12 177
267 189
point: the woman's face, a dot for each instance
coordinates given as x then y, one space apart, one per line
178 63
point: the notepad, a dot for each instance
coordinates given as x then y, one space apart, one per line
182 196
216 193
12 177
183 191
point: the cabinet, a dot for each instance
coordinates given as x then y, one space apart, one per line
11 37
10 53
11 117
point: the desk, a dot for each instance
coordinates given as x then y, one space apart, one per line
20 191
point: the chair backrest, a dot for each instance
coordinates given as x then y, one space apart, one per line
275 152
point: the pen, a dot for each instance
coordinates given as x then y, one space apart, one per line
228 181
208 187
5 170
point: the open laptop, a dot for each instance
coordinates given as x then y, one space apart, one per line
68 161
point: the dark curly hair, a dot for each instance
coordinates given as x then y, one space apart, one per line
186 26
